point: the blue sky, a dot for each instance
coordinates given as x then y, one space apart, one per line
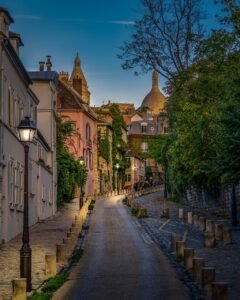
95 29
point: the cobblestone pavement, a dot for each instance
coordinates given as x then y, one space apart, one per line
225 258
43 239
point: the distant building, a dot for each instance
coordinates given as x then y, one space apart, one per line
73 106
45 87
17 100
105 163
148 122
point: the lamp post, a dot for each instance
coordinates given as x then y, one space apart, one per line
81 161
26 132
117 167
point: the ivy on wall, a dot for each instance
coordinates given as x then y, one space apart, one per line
70 172
119 146
104 147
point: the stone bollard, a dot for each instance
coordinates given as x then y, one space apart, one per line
50 265
202 223
19 286
180 213
209 240
174 238
209 226
227 236
69 243
208 276
219 232
180 245
72 235
190 217
61 253
196 220
188 258
165 212
198 264
142 213
219 291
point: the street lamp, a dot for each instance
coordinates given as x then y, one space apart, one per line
81 161
117 167
26 132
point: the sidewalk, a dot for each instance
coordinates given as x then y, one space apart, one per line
43 239
225 258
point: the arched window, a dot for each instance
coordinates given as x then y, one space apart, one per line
88 132
144 147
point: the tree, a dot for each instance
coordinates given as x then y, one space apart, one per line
165 37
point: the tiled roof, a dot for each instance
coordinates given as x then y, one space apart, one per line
44 76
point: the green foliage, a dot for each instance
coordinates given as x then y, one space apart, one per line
202 150
40 296
118 144
70 172
134 211
54 283
104 147
76 256
49 288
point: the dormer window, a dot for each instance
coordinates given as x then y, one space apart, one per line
144 127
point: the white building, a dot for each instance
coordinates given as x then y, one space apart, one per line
17 100
45 87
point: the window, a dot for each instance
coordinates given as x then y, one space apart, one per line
10 108
166 130
10 181
21 185
144 128
128 177
144 147
88 132
87 158
90 160
43 193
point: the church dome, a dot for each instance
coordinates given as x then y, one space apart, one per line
155 100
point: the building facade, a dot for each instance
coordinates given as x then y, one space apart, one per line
17 100
73 106
44 85
148 122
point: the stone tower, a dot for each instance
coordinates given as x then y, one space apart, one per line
79 82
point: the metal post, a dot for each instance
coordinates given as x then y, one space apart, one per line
25 251
165 186
118 182
81 195
234 207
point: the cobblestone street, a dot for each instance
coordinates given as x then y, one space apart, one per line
43 239
225 258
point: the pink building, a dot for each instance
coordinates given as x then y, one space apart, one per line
73 106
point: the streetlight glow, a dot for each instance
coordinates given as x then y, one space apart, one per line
26 130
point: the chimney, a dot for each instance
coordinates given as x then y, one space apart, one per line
5 21
64 76
49 63
41 66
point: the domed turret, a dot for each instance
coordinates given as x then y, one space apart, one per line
155 100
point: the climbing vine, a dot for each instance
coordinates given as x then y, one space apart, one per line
70 172
104 147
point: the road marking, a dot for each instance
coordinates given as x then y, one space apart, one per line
146 238
164 224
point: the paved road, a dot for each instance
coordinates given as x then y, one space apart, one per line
120 261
